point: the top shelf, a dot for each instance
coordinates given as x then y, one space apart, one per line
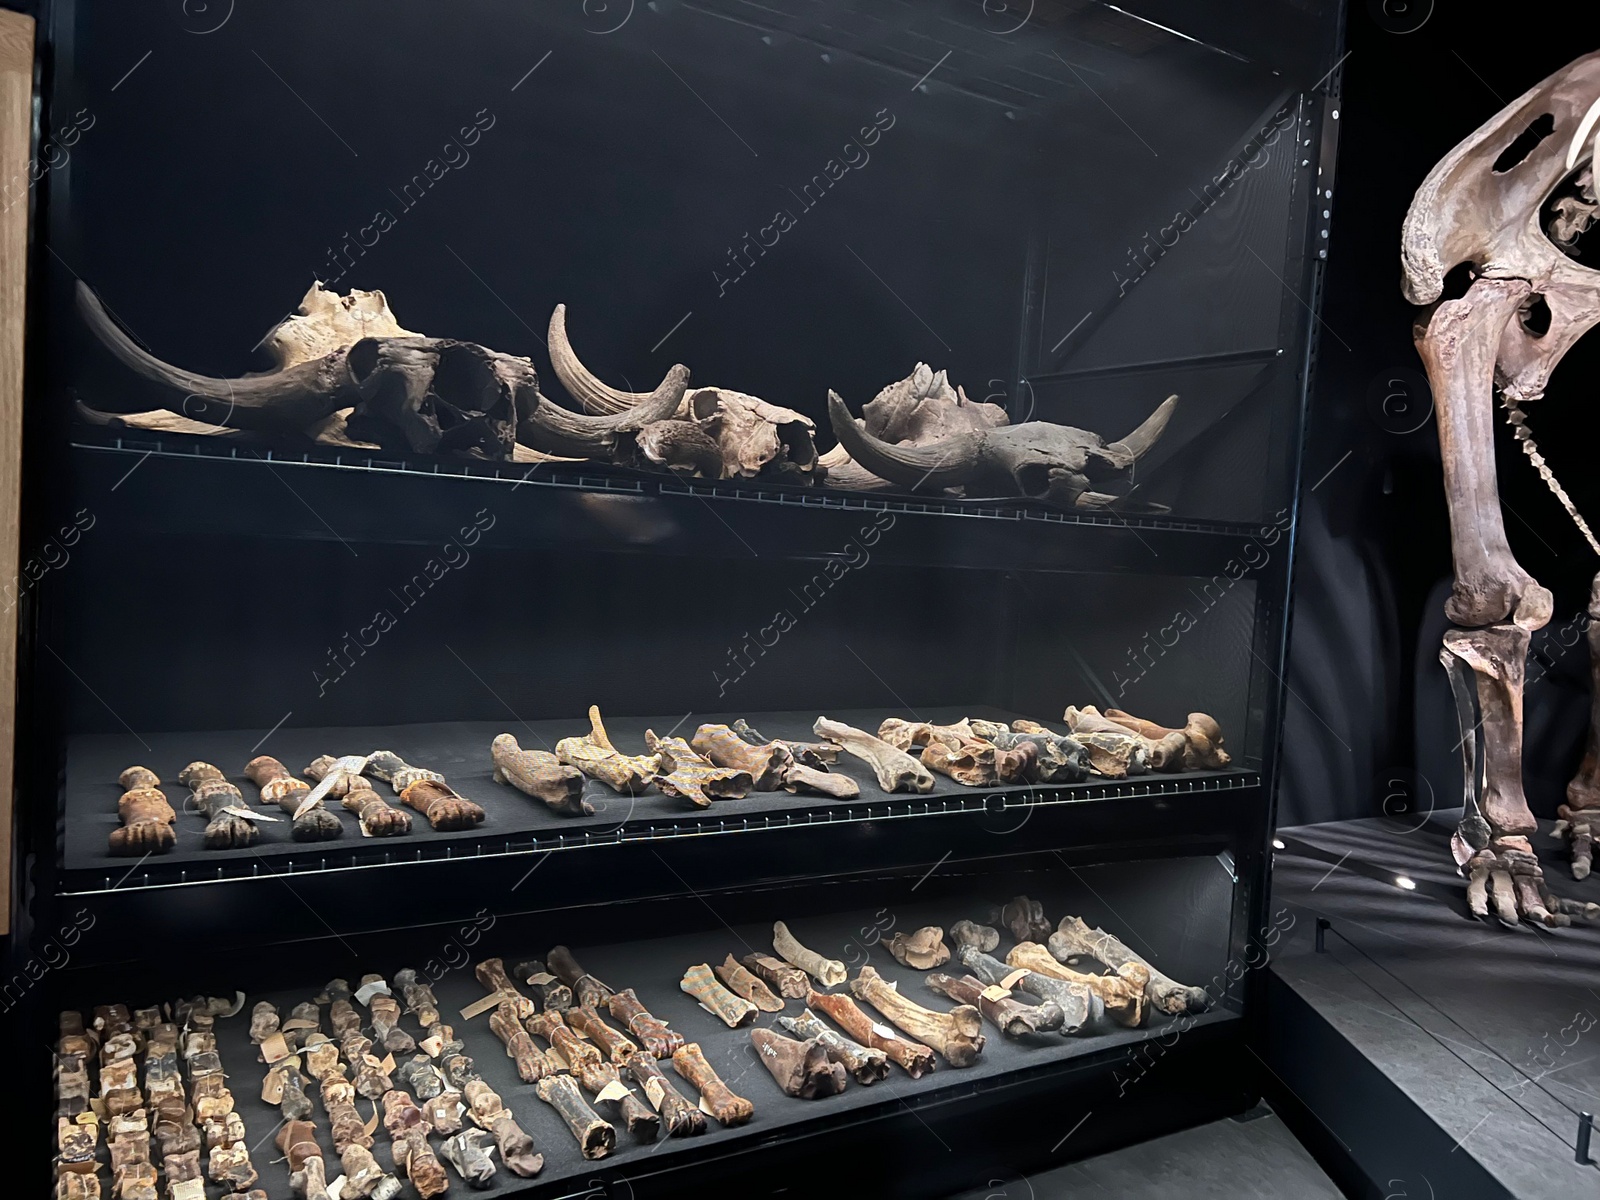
154 481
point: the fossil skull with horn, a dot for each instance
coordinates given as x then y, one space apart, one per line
348 374
715 432
1056 464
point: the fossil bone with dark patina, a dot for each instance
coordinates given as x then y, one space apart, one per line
540 774
146 815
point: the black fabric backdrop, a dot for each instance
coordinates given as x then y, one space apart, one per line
1368 724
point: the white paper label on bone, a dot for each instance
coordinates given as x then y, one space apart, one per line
335 1189
1010 981
706 1108
372 1124
274 1048
995 992
387 1066
558 1059
195 1189
367 991
431 1046
883 1031
272 1087
478 1007
615 1090
249 814
541 978
654 1090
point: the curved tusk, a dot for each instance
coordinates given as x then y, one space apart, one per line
594 397
944 464
1138 443
557 430
294 397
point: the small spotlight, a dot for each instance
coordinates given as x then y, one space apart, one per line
1402 881
1277 843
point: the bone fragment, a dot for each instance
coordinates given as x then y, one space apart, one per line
308 1172
596 1138
147 817
1074 936
957 1035
1123 993
385 1011
801 778
659 1041
279 786
586 989
364 1179
596 757
726 1107
469 1156
896 770
491 972
914 735
1012 1017
587 1021
778 975
1115 752
802 1069
1046 757
967 933
378 818
741 982
540 774
504 1023
1024 918
912 1057
865 1065
922 950
1082 1010
682 1119
222 803
419 997
731 1010
490 1113
1201 734
826 971
765 764
690 775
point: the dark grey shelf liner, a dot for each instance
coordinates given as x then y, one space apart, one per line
460 751
653 969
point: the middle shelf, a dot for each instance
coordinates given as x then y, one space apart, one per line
516 824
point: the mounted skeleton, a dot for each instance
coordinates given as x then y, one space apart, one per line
1511 203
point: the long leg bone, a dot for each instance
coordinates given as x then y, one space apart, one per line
865 1065
803 778
1083 1011
682 1118
1123 993
1580 815
598 1077
596 757
490 1113
467 1153
596 1138
547 990
491 972
147 817
532 1065
896 770
1073 936
425 791
1202 738
228 820
278 786
659 1041
540 774
778 975
385 1011
827 971
586 989
413 1157
738 980
587 1021
1164 752
726 1107
1012 1017
420 1000
765 764
912 1057
731 1010
802 1069
957 1035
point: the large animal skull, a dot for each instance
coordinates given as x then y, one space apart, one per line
1056 464
1510 204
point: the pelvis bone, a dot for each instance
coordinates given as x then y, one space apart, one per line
1056 464
347 374
714 432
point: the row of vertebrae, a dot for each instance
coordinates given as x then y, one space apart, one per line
1519 427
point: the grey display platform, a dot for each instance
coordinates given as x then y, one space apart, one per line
1441 1054
1253 1157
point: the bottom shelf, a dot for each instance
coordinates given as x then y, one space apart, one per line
1189 945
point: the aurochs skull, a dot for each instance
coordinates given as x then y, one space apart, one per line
1055 464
